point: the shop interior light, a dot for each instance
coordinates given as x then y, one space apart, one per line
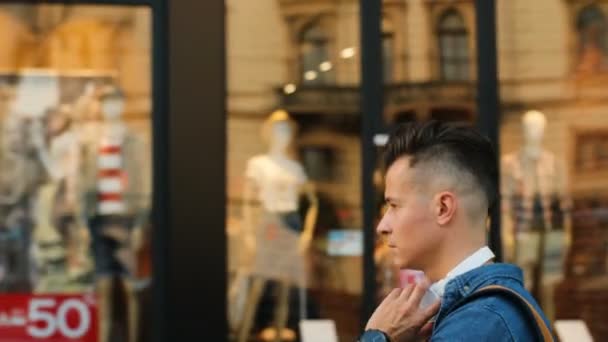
310 75
381 139
325 66
289 88
348 52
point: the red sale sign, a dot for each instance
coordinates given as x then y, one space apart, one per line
49 318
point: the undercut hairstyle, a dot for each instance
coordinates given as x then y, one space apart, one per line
453 151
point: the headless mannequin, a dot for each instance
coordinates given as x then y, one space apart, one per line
535 177
113 129
279 130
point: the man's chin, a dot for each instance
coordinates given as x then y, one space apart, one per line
402 263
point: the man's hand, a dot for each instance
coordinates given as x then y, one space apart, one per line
400 317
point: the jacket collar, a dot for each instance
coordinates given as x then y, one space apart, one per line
465 284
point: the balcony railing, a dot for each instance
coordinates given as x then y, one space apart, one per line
346 99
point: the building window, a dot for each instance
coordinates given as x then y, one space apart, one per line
315 65
319 162
593 40
453 47
388 52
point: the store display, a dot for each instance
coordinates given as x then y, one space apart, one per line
535 209
115 204
274 233
56 228
56 195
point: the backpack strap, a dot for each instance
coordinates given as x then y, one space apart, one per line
543 331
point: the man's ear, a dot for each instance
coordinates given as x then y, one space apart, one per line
445 204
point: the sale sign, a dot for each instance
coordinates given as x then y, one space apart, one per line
49 318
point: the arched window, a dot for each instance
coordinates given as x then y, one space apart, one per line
388 50
315 66
454 57
593 40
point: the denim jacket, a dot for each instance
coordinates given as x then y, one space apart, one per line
494 317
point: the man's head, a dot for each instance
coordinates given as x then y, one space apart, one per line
440 183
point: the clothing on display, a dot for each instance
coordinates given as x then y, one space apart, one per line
114 179
535 191
277 238
107 246
277 253
278 181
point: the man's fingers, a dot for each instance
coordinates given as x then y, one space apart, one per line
426 330
418 292
424 319
431 310
405 294
394 294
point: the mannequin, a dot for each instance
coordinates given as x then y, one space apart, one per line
57 197
535 207
275 236
115 205
20 177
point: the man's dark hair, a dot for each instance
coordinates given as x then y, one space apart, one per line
457 144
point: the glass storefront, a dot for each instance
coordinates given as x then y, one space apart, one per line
75 170
553 156
294 199
304 60
76 175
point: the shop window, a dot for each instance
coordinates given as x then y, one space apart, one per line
319 162
315 65
75 171
453 47
592 31
388 53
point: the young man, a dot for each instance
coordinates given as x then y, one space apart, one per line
440 184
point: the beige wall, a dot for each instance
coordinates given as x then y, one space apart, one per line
257 54
532 39
82 39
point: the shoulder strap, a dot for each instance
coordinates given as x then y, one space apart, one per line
542 329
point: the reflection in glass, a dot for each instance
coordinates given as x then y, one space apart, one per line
593 40
388 53
453 47
314 52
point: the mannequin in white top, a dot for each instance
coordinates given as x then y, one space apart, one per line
276 238
535 202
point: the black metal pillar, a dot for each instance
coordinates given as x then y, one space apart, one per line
488 105
371 115
190 141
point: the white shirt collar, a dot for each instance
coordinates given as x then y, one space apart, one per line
473 261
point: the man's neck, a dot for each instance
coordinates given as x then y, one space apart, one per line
452 256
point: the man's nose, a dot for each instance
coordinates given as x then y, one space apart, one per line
383 227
